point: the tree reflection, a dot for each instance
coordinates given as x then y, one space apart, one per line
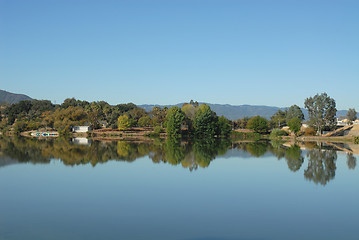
277 149
293 156
191 154
174 151
351 161
321 166
257 149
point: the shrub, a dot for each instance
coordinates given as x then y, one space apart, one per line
258 124
309 132
277 133
356 140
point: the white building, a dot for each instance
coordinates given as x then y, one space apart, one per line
342 122
81 129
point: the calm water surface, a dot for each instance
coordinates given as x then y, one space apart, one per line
169 190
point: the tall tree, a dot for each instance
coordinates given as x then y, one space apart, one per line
294 112
174 119
224 126
278 119
322 110
352 114
205 122
295 125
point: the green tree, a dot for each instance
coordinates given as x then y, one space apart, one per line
93 119
294 125
144 121
135 114
242 122
194 103
322 110
352 114
224 126
174 119
278 119
123 122
205 122
189 110
258 124
294 112
158 115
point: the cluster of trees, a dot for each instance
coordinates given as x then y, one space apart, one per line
140 118
321 116
35 114
291 117
197 120
191 119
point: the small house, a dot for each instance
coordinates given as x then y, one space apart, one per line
81 129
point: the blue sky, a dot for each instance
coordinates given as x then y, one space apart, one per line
274 53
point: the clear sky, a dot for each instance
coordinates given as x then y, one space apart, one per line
274 53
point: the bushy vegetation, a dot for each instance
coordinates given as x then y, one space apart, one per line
277 133
35 114
295 125
193 119
196 120
238 136
356 140
258 124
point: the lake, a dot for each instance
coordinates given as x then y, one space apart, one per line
81 189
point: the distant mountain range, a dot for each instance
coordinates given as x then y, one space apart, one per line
12 97
232 112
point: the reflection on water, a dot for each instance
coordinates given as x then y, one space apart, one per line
321 157
321 166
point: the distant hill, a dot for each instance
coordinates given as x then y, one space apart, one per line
233 112
12 97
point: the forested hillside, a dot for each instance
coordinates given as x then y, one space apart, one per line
12 97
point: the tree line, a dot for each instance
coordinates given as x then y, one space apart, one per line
36 114
192 119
